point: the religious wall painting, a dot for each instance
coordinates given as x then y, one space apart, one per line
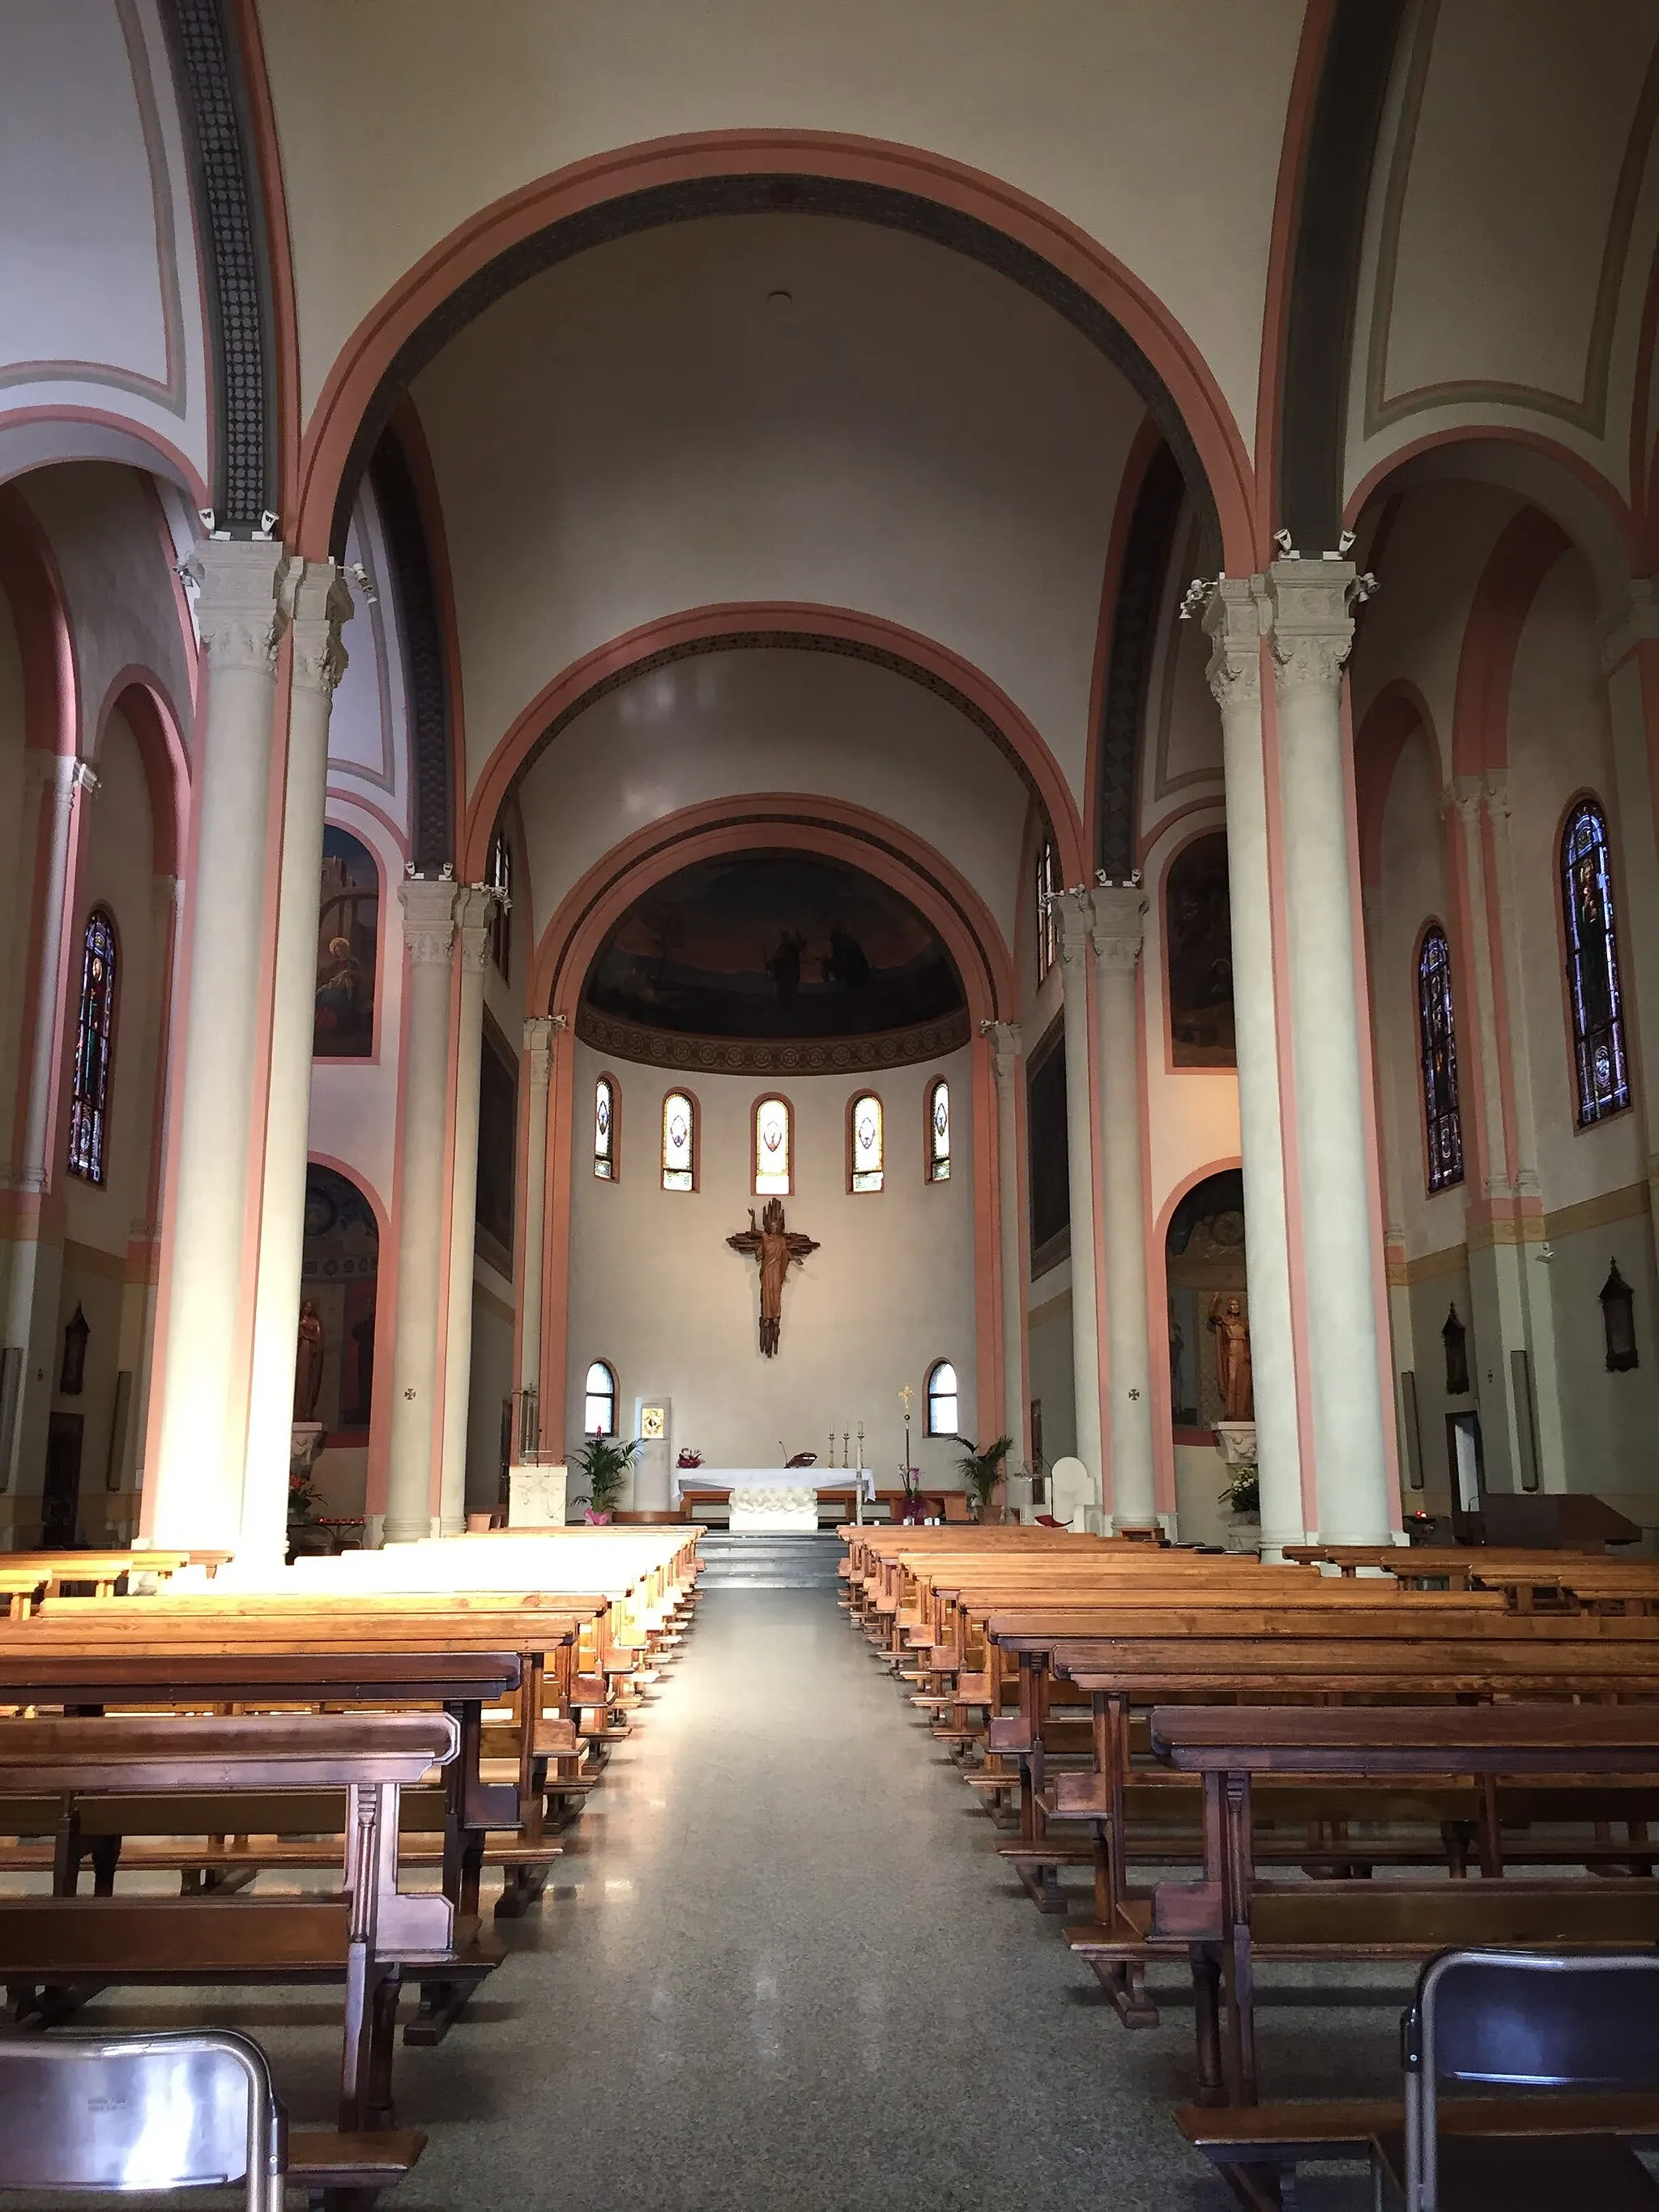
334 1364
348 949
774 946
605 1107
1210 1374
1197 935
498 1137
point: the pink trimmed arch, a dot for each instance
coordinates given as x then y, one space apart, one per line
372 348
142 698
671 636
1398 709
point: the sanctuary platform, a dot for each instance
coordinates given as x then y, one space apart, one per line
774 1500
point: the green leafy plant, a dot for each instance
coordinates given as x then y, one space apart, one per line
1244 1490
982 1470
603 1464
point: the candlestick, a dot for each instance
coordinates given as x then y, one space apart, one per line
846 1442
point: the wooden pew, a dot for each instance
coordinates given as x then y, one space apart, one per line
105 1569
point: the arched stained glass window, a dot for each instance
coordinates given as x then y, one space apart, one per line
938 1130
1594 991
773 1148
94 1035
1437 1033
866 1145
604 1129
499 876
679 1141
942 1417
600 1401
1048 885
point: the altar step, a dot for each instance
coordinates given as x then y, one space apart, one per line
740 1560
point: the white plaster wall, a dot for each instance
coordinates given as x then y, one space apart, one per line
1430 1296
639 432
1051 1371
730 724
493 1380
655 1290
369 721
1607 1420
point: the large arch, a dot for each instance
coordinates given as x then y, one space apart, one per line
638 187
782 626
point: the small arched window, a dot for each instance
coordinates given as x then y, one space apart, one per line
938 1130
600 1401
1594 993
773 1148
942 1399
604 1129
94 1036
865 1143
499 876
1436 1037
1048 886
679 1141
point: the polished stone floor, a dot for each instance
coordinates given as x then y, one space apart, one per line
781 1968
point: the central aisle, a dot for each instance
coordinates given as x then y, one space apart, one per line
781 1969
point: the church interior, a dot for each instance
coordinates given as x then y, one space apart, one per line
829 1212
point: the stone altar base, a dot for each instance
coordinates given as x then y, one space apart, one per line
774 1512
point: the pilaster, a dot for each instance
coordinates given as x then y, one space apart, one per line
1007 1045
474 912
1075 914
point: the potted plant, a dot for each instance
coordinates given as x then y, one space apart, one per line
604 1464
912 1511
981 1471
1244 1495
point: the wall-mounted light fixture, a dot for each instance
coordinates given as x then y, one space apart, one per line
1455 1338
1618 1320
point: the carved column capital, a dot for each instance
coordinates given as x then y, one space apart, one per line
239 610
1232 622
475 911
1311 628
1074 918
1119 927
539 1047
1007 1045
1462 797
428 905
317 601
1495 794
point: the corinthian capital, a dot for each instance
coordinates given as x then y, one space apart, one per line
318 601
239 610
539 1046
1232 622
1119 927
1007 1045
428 905
475 911
1074 914
1311 628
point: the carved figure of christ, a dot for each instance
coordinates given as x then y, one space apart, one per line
773 1248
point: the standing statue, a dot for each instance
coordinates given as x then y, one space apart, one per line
773 1248
1233 1376
309 1362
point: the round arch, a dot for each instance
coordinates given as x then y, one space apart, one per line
141 697
634 188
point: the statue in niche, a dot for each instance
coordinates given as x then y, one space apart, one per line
1233 1376
309 1362
775 1247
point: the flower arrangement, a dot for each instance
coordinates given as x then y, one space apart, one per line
688 1458
912 1511
1244 1490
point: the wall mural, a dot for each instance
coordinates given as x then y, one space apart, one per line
347 943
1198 934
1210 1379
774 946
342 1259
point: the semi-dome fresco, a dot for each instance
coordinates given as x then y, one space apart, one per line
771 949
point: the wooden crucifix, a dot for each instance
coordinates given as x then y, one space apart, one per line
773 1248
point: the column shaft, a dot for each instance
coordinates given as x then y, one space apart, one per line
1233 622
320 603
1311 632
415 1441
1119 925
1075 914
474 904
203 1432
539 1031
1005 1061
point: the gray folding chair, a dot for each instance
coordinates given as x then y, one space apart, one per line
140 2111
1532 2021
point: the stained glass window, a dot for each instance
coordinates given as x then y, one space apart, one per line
679 1142
865 1143
1437 1033
600 1401
939 1130
774 1165
93 1036
500 878
605 1129
1593 984
1048 884
942 1399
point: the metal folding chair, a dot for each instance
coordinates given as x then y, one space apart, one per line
140 2111
1524 2021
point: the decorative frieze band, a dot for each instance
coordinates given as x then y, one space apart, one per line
799 1056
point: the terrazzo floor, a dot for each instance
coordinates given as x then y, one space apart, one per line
780 1966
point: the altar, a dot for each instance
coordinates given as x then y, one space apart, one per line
774 1500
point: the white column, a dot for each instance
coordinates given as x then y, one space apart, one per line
1075 914
475 903
428 939
198 1476
1006 1046
1232 619
1310 634
539 1030
1119 920
318 602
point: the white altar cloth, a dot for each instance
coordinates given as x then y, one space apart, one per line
774 1498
